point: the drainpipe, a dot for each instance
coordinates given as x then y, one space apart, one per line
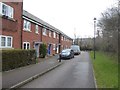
21 25
59 42
41 33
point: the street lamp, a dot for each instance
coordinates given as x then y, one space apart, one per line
94 35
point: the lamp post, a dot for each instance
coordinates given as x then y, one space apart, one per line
94 35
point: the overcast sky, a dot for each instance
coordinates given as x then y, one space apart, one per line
69 16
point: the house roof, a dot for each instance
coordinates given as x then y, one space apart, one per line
43 23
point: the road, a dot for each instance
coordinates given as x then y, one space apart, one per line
73 73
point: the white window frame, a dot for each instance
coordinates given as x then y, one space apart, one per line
26 45
36 29
44 31
9 42
54 34
50 33
9 10
6 41
1 8
28 25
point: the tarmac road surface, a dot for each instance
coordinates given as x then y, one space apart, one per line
73 73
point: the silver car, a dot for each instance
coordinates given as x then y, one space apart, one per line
67 54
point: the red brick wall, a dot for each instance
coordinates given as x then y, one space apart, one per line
50 40
16 23
27 36
32 37
65 43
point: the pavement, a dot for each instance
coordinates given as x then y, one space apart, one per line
20 76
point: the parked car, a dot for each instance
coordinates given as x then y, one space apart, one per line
67 54
76 49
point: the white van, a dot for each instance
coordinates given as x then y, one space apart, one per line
76 49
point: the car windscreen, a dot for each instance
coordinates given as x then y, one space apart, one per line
64 51
74 47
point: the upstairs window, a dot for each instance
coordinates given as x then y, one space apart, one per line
44 31
27 25
10 14
6 10
49 33
54 35
0 8
36 29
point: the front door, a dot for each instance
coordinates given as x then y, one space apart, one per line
37 49
49 49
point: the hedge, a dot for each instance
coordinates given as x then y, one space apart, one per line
43 50
12 59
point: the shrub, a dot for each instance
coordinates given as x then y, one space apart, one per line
17 58
43 50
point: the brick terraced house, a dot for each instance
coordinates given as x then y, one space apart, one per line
11 20
22 30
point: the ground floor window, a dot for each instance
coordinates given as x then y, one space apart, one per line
6 41
26 45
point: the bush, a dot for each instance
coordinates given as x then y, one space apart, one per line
43 50
17 58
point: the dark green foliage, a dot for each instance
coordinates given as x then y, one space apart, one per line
43 50
12 59
86 48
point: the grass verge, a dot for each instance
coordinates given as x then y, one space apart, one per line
106 70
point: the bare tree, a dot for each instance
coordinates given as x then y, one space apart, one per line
109 25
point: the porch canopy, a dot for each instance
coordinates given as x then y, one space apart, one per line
38 42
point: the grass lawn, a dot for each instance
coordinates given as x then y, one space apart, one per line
106 70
